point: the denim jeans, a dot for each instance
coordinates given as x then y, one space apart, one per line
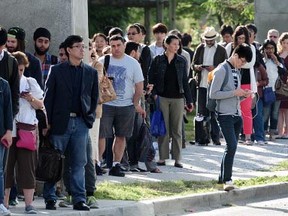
231 127
271 112
75 140
2 165
258 122
90 175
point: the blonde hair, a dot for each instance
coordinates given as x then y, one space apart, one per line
283 37
21 58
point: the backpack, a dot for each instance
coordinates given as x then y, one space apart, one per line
212 103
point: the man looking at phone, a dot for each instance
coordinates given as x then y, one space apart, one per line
207 56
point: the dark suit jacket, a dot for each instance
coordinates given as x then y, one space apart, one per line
58 96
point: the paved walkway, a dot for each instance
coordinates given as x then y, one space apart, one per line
200 164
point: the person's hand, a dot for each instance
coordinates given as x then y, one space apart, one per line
27 96
198 67
140 110
239 92
189 107
7 138
210 68
248 93
149 88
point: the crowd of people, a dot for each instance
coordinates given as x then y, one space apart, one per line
167 74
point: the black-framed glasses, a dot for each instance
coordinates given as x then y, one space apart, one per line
80 46
132 33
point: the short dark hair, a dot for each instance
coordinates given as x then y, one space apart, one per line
168 39
252 27
3 36
115 31
226 29
243 51
159 28
269 42
70 40
130 46
62 45
186 39
117 37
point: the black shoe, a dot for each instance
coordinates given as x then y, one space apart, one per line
81 206
116 171
160 163
51 204
99 170
216 142
178 165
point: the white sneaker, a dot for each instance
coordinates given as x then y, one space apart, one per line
259 142
4 211
228 186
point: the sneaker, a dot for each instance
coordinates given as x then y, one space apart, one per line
30 210
50 204
116 171
66 202
4 211
248 142
259 142
228 186
13 202
92 202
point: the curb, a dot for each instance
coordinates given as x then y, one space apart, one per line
212 199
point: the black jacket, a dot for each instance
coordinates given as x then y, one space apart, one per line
58 96
157 73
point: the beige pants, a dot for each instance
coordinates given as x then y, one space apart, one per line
94 134
172 110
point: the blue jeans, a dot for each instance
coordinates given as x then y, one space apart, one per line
271 112
75 140
2 165
231 127
258 122
90 175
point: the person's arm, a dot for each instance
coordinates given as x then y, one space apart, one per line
136 98
14 81
49 94
8 116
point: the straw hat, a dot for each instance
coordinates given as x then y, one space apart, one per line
209 34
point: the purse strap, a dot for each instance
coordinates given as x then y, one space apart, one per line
106 64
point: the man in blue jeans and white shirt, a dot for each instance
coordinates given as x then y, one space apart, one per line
228 107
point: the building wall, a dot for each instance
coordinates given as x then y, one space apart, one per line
60 17
270 14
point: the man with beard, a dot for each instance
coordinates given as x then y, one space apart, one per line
16 42
42 39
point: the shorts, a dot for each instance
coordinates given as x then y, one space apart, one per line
118 121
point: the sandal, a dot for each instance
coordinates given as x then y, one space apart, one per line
156 170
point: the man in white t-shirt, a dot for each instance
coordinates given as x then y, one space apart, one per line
118 115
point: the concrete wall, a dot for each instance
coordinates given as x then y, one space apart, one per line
270 14
60 17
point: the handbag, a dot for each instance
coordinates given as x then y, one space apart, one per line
50 163
26 134
106 89
269 96
281 88
157 127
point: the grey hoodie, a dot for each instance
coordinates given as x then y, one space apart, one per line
227 102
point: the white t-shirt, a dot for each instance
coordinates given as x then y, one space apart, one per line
126 72
26 112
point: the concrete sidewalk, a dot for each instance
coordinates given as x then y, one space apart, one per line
200 164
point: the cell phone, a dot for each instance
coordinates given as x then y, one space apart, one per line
205 66
24 93
111 78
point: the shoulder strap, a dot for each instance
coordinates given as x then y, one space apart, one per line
106 63
10 65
